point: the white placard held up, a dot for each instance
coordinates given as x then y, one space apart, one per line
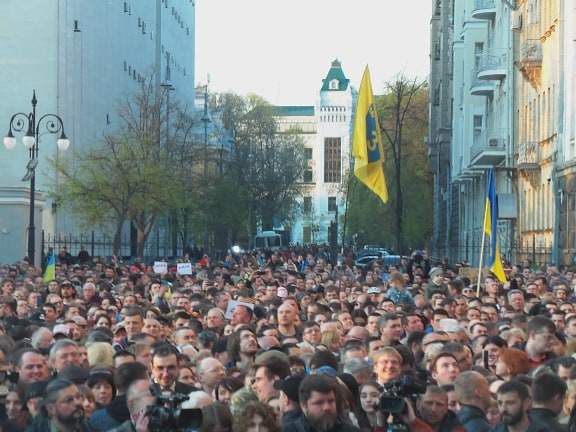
184 268
160 267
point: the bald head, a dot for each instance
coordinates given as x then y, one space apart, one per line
210 372
357 333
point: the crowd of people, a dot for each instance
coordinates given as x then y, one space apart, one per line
285 341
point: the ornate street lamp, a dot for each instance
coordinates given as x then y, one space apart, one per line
21 122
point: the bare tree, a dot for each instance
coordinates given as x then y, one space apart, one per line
397 107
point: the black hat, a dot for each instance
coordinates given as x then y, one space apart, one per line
290 386
35 390
76 374
100 374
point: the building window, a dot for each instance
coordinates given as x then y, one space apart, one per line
333 84
477 125
307 234
308 177
478 53
307 205
331 204
332 160
308 153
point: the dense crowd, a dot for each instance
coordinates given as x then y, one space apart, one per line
284 340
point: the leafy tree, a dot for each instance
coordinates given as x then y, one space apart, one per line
128 175
268 163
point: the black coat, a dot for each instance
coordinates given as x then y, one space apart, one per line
473 419
546 420
302 425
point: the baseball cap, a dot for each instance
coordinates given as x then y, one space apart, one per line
290 386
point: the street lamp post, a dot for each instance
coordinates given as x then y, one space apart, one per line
52 124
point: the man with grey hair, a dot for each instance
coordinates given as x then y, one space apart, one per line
89 295
210 372
138 399
42 339
64 353
360 368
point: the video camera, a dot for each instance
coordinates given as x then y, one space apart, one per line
167 415
392 402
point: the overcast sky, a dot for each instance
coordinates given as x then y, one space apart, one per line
282 49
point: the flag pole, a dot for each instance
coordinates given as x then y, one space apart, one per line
481 263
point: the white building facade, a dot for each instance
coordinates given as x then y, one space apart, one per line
326 129
82 57
482 122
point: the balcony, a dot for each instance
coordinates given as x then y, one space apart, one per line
530 61
488 150
492 67
528 156
480 87
484 10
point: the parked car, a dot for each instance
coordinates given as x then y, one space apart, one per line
368 255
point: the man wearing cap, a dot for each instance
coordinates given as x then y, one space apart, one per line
436 283
68 293
269 367
289 399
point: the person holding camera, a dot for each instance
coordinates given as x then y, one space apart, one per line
138 398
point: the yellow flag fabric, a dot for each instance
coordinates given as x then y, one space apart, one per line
367 147
50 271
491 227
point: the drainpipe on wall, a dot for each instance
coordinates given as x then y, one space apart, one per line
558 153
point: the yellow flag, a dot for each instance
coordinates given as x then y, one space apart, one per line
367 145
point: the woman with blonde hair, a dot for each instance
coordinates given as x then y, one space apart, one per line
101 354
569 401
331 339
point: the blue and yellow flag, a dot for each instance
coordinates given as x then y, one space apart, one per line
50 271
491 227
367 145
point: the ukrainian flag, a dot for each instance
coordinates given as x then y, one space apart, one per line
367 146
491 227
50 271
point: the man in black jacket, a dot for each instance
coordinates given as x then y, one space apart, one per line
548 391
473 392
513 404
433 410
289 399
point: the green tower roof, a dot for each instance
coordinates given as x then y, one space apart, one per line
335 73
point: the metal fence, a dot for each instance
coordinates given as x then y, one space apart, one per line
530 256
96 244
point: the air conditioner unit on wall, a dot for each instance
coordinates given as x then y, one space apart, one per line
516 21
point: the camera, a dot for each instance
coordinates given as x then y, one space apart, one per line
392 402
167 415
